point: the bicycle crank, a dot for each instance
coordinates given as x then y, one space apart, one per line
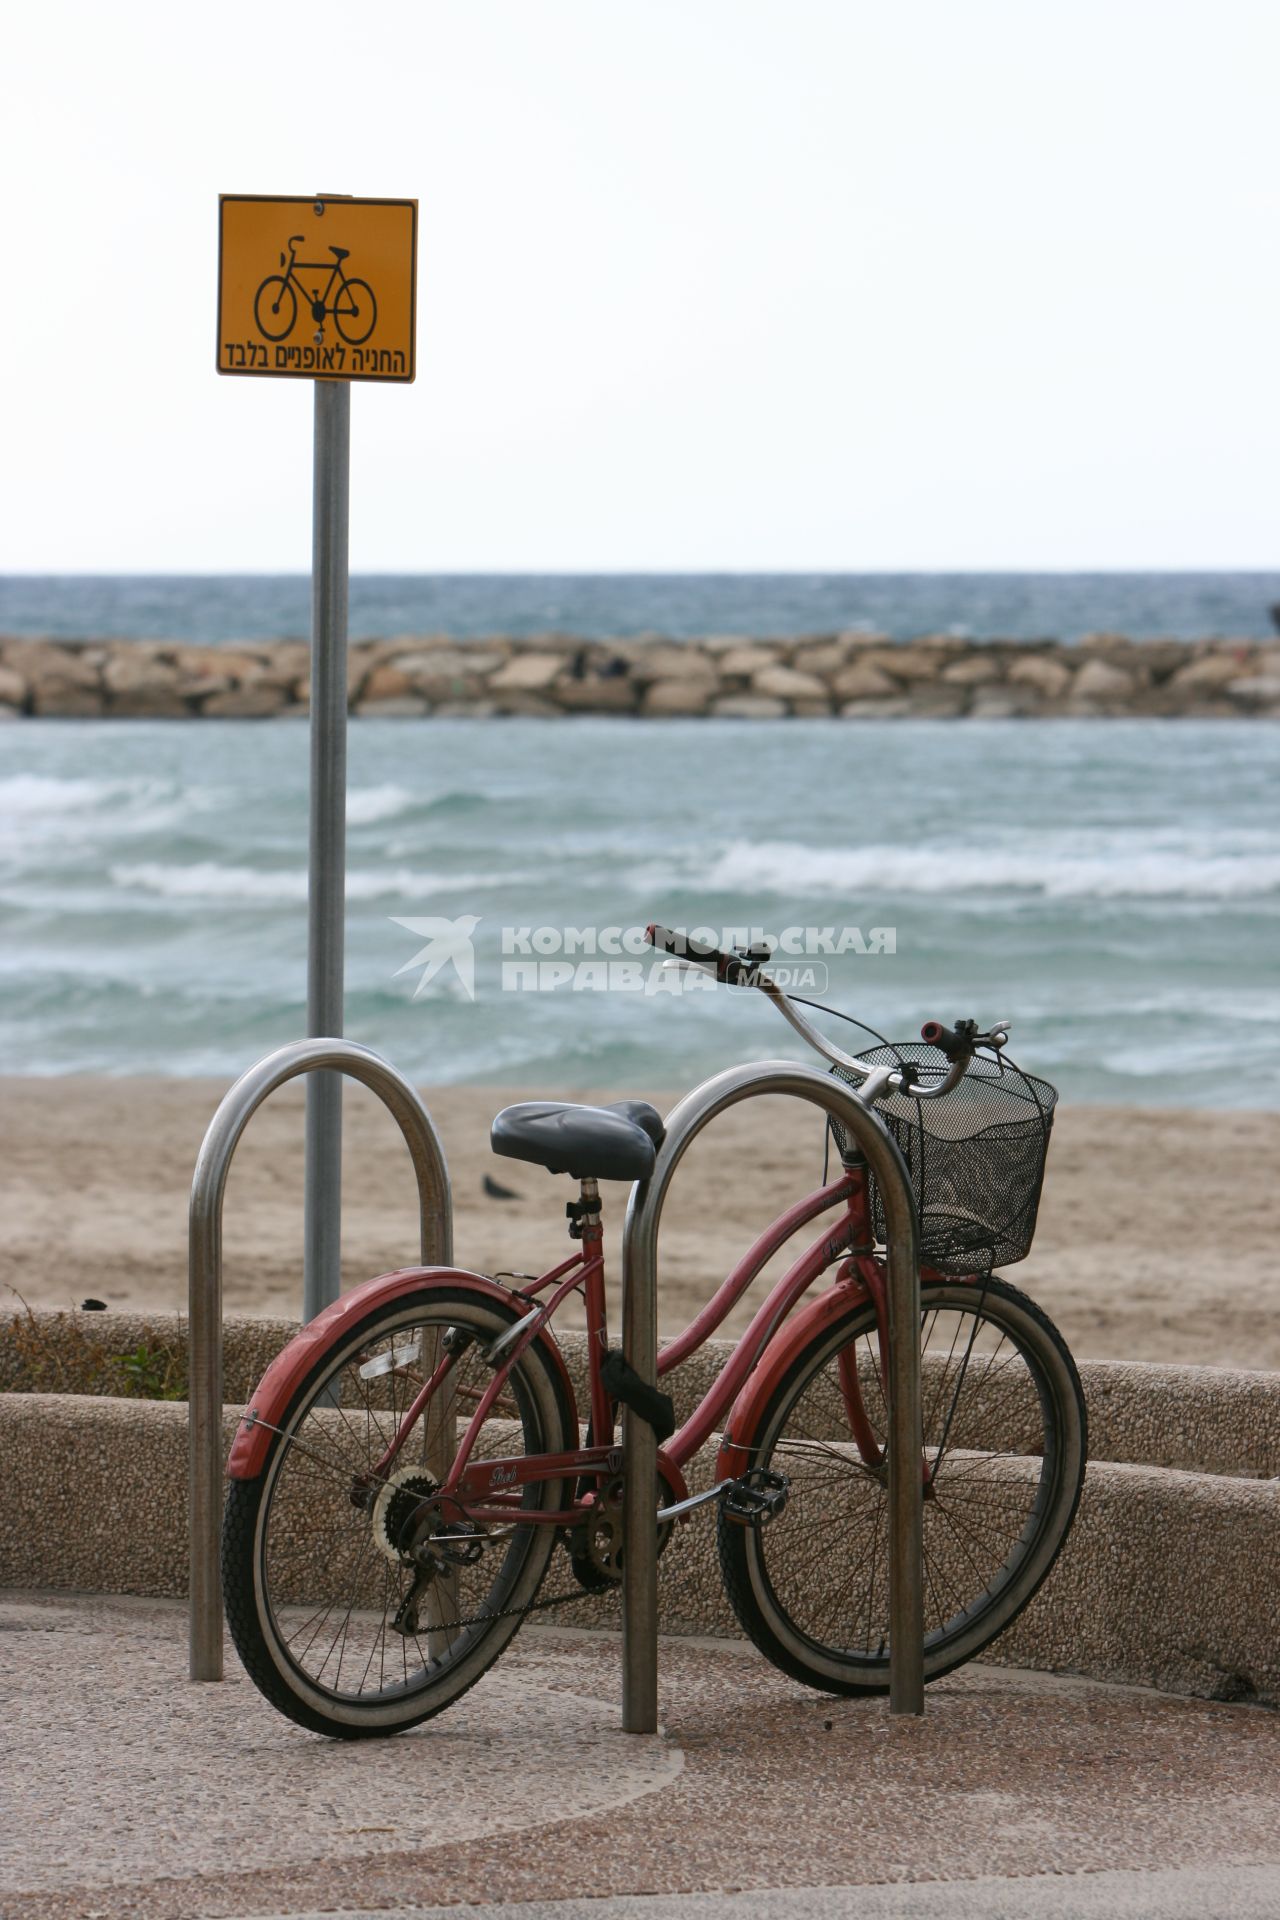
595 1544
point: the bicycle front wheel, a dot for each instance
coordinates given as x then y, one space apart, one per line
1004 1445
355 312
334 1620
275 307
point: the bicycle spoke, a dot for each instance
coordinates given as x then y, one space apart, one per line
334 1579
812 1586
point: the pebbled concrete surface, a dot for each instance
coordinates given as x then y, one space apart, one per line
131 1792
129 1770
1168 1579
1243 1893
1217 1420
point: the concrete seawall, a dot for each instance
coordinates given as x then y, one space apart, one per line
1168 1579
850 675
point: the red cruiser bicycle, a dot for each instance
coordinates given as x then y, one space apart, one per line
413 1459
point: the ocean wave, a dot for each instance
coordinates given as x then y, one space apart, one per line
207 880
367 805
35 795
794 870
52 793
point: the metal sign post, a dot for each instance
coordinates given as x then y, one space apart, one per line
322 289
326 892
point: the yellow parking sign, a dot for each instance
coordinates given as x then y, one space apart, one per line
317 289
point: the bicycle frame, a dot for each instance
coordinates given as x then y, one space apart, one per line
334 270
489 1490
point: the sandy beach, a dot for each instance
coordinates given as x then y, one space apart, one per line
1157 1237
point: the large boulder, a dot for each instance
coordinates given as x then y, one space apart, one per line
972 670
747 659
1257 692
13 687
62 682
404 707
526 673
442 673
386 683
1047 676
675 697
1207 672
787 683
1101 681
909 662
245 703
863 680
823 657
649 664
748 706
595 693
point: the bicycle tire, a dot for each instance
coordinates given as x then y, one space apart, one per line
294 1529
273 331
798 1601
347 321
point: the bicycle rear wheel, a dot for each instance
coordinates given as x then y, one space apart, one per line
1004 1442
314 1562
275 307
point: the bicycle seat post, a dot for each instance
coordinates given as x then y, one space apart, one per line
584 1212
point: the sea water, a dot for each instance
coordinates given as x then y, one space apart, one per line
1063 606
1112 886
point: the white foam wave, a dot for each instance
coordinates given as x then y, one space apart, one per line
207 880
367 805
789 868
39 794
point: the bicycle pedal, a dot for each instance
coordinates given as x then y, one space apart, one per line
759 1496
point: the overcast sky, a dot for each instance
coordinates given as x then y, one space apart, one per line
703 283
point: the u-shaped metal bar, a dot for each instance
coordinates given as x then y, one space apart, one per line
435 1210
640 1342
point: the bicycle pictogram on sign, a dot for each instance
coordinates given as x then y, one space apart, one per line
317 289
349 300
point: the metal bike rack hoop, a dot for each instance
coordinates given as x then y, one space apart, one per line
640 1342
435 1207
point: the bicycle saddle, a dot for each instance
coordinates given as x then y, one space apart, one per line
616 1142
340 253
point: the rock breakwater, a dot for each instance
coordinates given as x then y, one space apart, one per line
848 675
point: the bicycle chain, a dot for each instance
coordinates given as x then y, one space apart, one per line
506 1613
254 1418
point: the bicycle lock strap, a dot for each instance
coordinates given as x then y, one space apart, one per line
622 1382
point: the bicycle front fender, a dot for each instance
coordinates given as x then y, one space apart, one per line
274 1394
799 1330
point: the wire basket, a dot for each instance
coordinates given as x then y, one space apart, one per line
976 1157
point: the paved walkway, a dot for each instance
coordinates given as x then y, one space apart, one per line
130 1792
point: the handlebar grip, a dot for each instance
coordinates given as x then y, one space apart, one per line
726 966
955 1042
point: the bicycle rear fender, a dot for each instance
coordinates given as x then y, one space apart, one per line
736 1456
271 1399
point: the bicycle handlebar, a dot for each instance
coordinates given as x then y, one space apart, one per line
732 968
956 1043
951 1041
